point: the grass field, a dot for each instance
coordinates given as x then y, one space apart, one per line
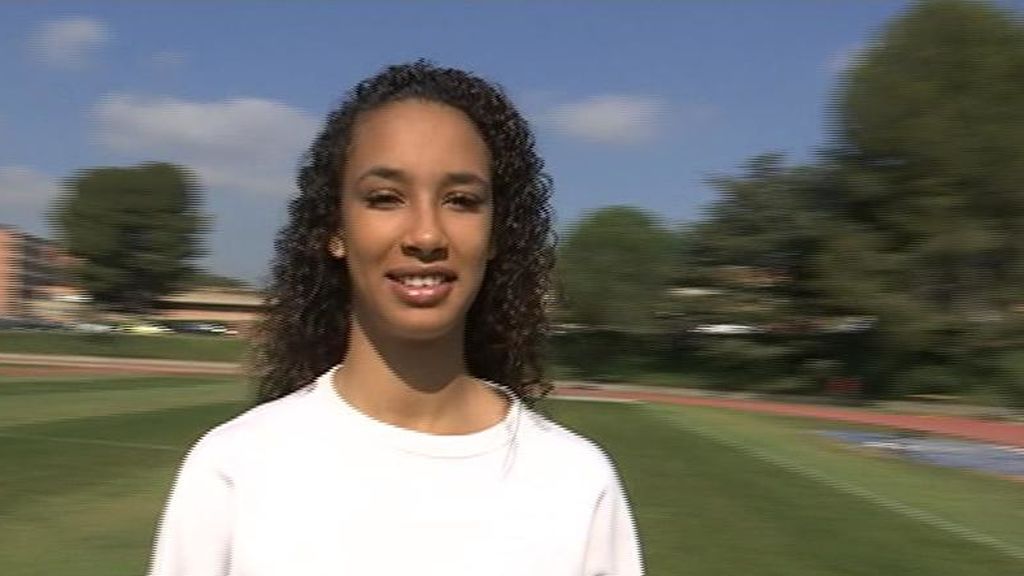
87 463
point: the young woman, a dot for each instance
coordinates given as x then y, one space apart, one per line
398 362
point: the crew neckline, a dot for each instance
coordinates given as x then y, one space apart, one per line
423 443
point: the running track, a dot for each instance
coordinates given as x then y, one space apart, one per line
1003 433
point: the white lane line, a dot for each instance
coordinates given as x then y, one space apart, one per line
593 399
845 487
93 441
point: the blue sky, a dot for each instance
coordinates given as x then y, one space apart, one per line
632 103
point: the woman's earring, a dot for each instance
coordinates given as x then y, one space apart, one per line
336 247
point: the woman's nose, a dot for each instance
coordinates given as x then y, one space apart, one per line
426 239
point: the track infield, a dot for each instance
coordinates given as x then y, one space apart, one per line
88 461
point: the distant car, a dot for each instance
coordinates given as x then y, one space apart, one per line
74 298
187 328
726 329
145 328
210 328
558 329
92 327
852 325
29 324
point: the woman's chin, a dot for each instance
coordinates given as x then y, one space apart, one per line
425 327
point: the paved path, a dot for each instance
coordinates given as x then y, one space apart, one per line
999 432
40 364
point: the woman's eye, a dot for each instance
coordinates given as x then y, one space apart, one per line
383 200
465 201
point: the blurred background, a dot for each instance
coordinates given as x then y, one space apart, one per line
784 196
791 201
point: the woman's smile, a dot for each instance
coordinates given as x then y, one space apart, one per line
422 286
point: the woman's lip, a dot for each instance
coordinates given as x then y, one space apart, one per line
422 271
421 296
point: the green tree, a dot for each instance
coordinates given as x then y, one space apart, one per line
929 183
613 268
136 231
770 221
753 254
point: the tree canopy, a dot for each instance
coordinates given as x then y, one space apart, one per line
135 231
914 212
614 266
929 164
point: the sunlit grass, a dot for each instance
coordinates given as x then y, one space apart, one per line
88 462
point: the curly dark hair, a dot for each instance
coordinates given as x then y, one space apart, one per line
305 328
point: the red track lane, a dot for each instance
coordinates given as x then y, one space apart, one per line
1003 433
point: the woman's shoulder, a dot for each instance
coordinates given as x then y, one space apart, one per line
259 425
568 447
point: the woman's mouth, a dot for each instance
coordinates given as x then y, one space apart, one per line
421 290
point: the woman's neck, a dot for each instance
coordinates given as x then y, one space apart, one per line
420 385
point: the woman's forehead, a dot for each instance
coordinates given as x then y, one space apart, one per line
412 125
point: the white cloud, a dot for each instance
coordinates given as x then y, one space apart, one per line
246 144
69 42
24 186
611 119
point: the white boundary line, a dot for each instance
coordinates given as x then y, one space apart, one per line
845 487
93 441
593 399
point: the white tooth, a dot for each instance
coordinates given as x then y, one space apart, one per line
420 281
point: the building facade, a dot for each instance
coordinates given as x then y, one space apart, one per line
29 267
35 283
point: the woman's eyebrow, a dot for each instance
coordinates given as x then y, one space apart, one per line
465 178
400 176
385 172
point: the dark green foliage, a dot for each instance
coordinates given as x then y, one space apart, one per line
613 268
1004 373
914 215
928 190
611 355
768 223
765 218
136 232
932 156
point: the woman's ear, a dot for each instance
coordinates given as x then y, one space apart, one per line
336 246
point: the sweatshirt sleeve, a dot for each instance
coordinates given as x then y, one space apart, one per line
193 538
613 547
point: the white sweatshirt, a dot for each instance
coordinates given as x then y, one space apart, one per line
309 486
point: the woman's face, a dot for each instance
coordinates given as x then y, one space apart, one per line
416 218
